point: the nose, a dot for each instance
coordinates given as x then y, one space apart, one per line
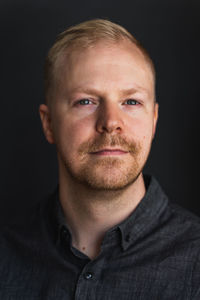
109 119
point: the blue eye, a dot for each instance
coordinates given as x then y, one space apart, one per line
84 101
131 102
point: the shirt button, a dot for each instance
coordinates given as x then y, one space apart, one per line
64 233
64 230
88 275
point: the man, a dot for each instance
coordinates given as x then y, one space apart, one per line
108 232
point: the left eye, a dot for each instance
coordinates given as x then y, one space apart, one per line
85 102
131 102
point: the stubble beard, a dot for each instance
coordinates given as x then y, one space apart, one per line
106 173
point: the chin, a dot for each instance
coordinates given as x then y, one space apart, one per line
108 179
109 185
108 174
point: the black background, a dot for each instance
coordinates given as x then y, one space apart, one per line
170 30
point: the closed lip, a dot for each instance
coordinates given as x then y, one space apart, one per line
110 151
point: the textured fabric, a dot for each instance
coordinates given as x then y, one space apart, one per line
153 254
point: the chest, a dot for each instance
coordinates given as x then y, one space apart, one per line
113 275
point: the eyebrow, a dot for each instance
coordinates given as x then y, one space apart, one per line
123 92
133 90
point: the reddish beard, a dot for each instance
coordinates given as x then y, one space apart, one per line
108 141
109 172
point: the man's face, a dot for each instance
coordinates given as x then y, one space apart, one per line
103 117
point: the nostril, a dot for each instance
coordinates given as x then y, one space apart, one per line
109 128
109 123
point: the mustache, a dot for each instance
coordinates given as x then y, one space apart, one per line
107 141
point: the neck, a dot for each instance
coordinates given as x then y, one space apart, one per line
90 213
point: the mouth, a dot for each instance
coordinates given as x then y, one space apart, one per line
109 152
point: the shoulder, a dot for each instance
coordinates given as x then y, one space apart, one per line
27 234
16 232
170 221
26 250
173 219
182 230
25 246
183 221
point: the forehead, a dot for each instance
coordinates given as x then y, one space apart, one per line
108 65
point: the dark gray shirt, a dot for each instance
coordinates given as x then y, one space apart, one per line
153 254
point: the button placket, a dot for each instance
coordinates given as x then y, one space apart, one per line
86 282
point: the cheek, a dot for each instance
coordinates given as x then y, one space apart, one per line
71 134
141 129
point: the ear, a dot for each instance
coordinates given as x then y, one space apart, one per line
155 117
46 122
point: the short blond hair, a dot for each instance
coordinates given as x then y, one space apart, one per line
82 36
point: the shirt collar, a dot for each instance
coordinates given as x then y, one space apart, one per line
146 215
142 220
